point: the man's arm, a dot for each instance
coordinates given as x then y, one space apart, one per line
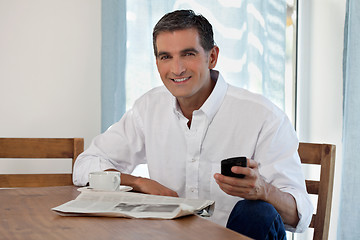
145 185
254 187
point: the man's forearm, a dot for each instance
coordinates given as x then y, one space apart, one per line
145 185
284 203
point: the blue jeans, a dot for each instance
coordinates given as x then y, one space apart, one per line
256 219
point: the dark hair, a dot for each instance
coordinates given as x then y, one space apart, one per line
184 19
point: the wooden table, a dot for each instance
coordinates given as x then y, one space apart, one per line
25 213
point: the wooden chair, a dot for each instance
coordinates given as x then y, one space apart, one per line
323 155
31 148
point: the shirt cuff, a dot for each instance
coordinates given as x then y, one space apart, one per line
304 208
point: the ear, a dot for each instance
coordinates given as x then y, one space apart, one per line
213 56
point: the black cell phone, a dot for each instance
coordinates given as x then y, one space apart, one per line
227 164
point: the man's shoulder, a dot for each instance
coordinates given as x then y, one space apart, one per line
242 95
154 94
154 98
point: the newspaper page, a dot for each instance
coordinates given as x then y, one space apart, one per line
133 205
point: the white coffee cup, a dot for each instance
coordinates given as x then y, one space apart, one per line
105 181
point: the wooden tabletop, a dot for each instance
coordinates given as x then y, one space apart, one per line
25 213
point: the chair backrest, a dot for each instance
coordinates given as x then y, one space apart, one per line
30 148
323 155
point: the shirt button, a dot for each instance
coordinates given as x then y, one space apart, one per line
193 160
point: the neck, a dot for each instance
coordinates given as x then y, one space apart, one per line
188 109
190 104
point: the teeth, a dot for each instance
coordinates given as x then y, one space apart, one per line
180 79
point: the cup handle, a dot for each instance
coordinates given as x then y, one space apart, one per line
116 182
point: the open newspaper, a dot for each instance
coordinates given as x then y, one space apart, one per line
133 205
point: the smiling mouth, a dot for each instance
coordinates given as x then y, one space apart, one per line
178 80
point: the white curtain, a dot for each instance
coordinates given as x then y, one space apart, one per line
249 33
113 61
349 219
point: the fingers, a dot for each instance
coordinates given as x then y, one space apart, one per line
252 163
234 183
236 187
248 171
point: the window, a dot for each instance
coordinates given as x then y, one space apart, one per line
290 61
250 35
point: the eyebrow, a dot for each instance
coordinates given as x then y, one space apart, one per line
189 50
182 51
162 53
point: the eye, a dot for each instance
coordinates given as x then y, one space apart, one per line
164 57
189 54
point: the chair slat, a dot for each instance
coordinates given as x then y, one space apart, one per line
310 153
312 186
36 148
34 180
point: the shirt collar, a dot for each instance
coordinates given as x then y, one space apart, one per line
213 102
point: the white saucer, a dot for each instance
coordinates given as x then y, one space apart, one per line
122 188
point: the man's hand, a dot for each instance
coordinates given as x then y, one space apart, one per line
251 187
254 187
146 185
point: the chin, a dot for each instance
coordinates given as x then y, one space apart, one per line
177 92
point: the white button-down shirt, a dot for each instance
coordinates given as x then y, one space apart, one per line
232 122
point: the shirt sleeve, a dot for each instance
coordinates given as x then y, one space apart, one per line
121 147
280 165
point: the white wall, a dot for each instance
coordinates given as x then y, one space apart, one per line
49 70
321 34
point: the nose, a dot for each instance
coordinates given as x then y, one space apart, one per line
178 67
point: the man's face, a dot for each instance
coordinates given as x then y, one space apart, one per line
184 65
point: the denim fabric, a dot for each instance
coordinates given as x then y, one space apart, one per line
256 219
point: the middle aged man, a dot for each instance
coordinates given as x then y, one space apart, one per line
183 131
